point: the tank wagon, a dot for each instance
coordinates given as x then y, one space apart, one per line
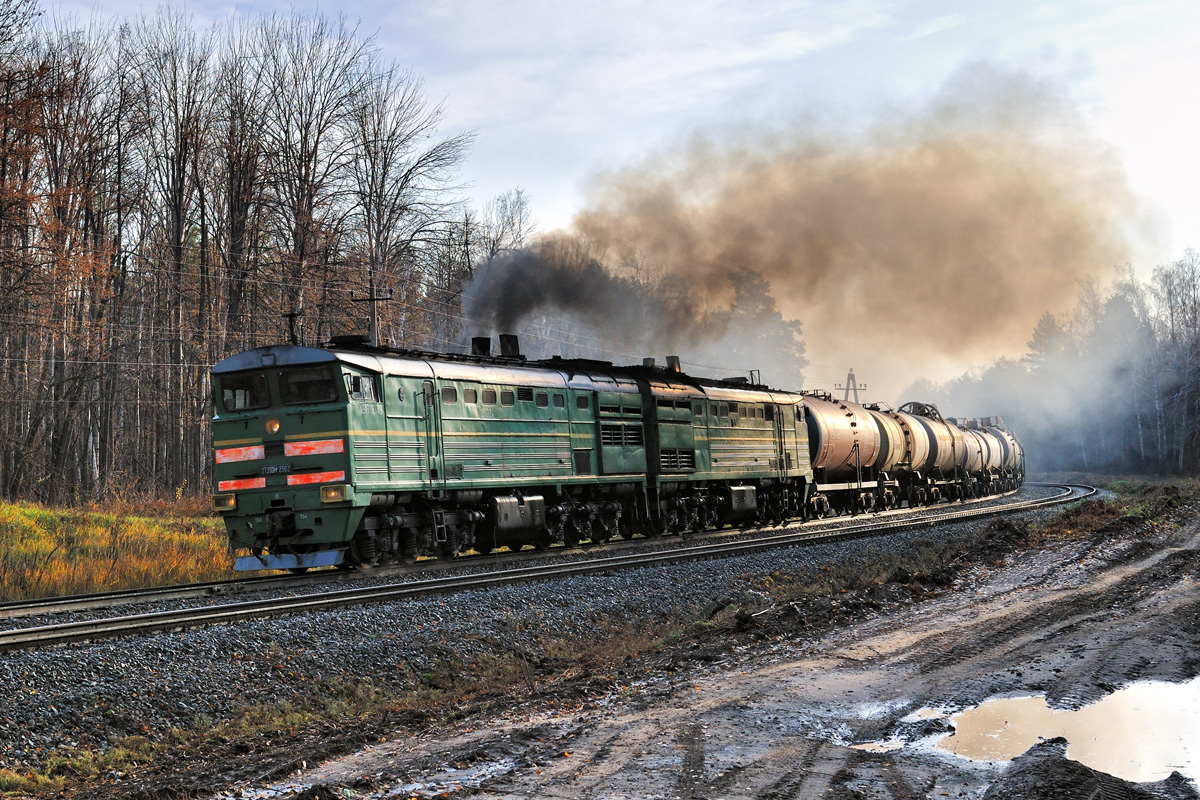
350 454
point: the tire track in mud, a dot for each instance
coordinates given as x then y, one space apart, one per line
1062 628
691 771
1062 614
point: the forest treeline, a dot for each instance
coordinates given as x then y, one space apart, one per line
169 196
1112 387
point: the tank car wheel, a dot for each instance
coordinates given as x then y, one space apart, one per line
297 570
483 549
515 547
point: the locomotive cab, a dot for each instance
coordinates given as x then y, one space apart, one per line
281 469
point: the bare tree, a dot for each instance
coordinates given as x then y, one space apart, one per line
316 70
157 184
508 223
400 173
240 162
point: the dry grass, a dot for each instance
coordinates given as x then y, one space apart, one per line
1140 499
48 552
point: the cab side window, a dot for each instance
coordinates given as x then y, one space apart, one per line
361 387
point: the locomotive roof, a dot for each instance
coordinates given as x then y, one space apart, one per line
554 372
428 365
287 355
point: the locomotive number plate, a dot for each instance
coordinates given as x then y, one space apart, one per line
275 469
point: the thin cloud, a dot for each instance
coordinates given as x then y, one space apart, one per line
937 25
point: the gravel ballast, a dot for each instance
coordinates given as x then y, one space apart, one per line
90 693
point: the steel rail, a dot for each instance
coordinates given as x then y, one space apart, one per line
161 621
11 609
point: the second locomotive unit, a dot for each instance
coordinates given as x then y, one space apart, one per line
351 454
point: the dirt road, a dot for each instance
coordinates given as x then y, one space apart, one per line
777 715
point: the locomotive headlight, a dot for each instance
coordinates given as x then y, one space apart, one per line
272 425
335 493
224 502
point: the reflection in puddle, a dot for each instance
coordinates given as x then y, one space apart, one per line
1140 733
886 746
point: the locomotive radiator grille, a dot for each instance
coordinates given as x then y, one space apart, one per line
674 460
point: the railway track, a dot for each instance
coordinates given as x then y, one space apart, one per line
181 619
98 601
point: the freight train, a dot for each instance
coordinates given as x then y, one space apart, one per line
351 454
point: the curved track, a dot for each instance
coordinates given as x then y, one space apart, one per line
94 630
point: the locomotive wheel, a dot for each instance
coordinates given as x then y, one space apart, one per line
515 547
361 551
541 540
570 534
297 570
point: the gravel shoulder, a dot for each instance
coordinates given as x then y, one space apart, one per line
775 712
742 706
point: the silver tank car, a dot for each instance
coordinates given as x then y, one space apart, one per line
995 450
892 448
1013 454
906 441
945 440
842 436
975 452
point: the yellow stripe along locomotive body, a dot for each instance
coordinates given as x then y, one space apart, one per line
351 454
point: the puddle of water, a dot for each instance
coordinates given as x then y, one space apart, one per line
456 779
886 746
923 714
1140 733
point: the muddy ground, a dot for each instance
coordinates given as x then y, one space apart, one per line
770 705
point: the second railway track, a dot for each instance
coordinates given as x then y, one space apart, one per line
160 621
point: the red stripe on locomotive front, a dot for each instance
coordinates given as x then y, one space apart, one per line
242 483
314 448
232 454
315 477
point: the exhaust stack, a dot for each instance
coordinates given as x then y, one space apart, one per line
509 346
481 345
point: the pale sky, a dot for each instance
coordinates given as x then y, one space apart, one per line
558 92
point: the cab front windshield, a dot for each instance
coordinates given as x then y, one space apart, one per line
245 391
307 385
